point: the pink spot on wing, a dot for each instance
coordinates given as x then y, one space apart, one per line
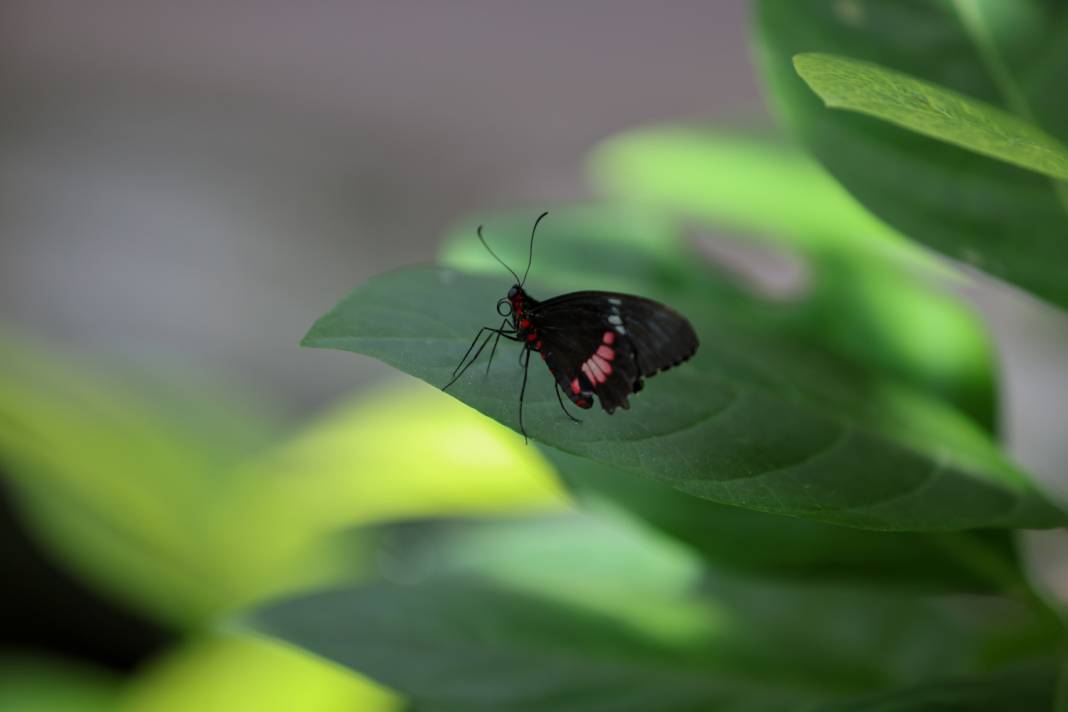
575 387
606 352
595 368
606 368
609 337
589 372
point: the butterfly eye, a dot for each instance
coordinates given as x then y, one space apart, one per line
504 307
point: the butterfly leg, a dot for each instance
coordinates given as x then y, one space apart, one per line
458 371
468 352
560 400
497 340
522 391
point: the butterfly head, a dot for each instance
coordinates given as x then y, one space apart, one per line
512 305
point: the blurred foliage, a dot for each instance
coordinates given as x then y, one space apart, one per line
997 217
589 613
37 684
1026 689
222 673
792 548
185 519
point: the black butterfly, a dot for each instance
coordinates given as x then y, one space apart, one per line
594 343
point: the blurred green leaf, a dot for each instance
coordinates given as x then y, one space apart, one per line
1028 689
779 547
119 483
931 110
1002 219
38 684
576 613
760 418
404 451
228 673
174 507
872 295
745 180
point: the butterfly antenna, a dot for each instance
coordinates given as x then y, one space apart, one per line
488 249
530 257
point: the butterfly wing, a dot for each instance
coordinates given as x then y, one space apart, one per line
606 343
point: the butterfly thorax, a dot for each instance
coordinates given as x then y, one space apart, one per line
522 319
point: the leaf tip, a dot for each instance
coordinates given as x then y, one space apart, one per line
803 61
311 340
808 66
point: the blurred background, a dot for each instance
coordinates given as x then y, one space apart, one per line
240 166
185 187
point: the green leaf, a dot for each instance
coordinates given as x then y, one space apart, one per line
872 295
778 547
225 673
38 684
932 110
1002 219
760 418
358 465
577 613
1027 689
117 474
746 180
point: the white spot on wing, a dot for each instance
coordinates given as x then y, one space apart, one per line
613 300
615 320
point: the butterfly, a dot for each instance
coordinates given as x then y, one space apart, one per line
601 344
